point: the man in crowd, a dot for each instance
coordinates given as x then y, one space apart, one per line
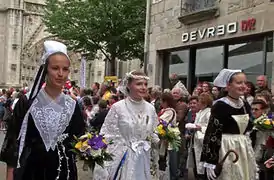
261 83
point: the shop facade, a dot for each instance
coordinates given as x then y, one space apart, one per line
197 38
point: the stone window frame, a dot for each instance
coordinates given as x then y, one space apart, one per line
198 15
156 1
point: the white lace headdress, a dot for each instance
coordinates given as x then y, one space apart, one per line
50 48
51 117
224 77
124 83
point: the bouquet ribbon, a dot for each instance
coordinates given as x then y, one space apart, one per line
138 146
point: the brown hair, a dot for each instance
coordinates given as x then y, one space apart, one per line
168 98
261 102
193 98
207 83
206 99
233 76
265 95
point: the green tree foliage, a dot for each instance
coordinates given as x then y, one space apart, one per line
113 26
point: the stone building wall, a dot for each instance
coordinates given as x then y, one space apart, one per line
22 34
170 19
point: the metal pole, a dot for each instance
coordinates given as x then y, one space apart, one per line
146 45
264 61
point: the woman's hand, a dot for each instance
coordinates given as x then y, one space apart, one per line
9 173
192 126
211 174
269 163
198 128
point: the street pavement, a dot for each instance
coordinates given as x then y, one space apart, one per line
2 165
82 175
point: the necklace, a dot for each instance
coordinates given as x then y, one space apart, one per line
233 97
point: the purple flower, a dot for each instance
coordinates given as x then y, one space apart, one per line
96 142
164 123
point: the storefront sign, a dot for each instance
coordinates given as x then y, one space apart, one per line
248 25
219 30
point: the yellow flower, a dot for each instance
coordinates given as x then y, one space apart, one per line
104 141
79 145
267 122
85 143
159 127
162 132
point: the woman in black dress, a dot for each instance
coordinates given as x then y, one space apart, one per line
229 128
44 124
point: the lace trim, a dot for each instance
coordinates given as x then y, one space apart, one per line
210 166
60 141
51 120
238 105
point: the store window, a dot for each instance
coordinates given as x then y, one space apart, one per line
178 64
209 62
247 56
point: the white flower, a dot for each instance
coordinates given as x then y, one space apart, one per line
96 153
83 137
174 130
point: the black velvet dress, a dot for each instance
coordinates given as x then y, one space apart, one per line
224 132
36 162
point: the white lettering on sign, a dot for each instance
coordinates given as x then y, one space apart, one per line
185 37
221 30
202 33
193 35
210 32
232 28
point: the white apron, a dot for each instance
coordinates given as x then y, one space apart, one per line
245 168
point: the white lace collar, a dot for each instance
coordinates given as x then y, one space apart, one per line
51 118
237 105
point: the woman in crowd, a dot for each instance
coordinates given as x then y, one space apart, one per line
47 121
250 92
216 92
168 114
130 124
199 126
227 128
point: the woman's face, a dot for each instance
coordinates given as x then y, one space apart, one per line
58 70
238 85
176 93
247 89
138 88
215 91
193 105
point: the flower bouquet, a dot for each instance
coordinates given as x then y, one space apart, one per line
264 123
170 134
91 148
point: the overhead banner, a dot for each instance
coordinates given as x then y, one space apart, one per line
83 73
